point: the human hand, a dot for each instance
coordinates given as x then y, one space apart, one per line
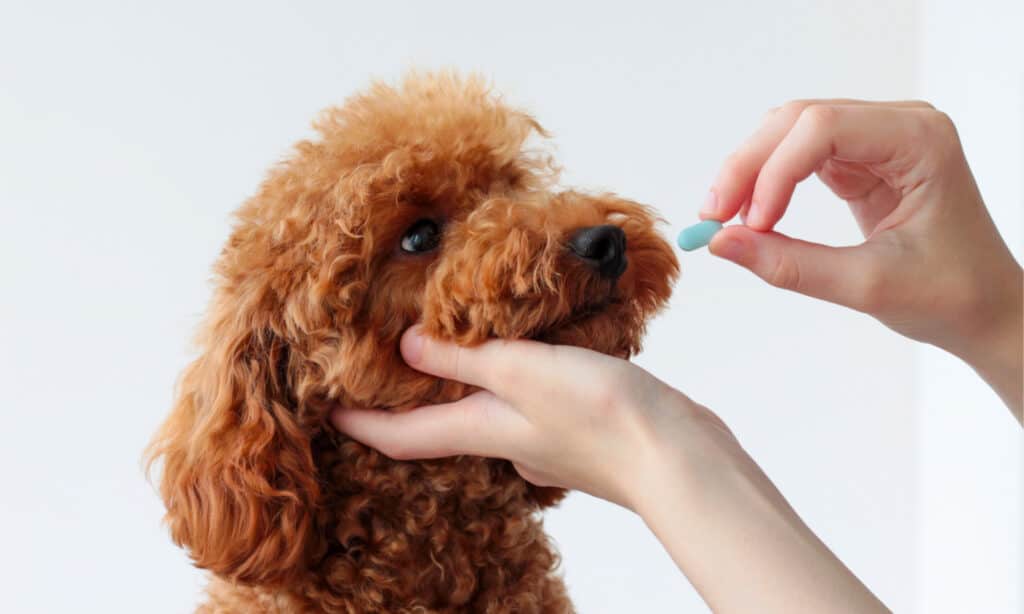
565 416
574 418
933 266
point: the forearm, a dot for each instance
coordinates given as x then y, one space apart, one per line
739 542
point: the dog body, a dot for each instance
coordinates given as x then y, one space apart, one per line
417 203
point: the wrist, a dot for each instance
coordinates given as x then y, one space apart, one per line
994 344
680 447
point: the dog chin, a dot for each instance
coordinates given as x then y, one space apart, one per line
609 330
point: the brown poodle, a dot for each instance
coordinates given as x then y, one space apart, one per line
416 203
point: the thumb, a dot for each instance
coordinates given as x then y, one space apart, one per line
834 274
478 425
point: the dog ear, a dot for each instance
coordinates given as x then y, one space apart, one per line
238 477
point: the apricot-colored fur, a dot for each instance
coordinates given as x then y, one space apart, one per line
312 294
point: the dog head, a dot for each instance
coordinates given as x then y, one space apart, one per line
416 203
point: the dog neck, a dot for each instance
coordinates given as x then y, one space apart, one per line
444 534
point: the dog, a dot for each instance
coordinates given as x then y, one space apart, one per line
424 201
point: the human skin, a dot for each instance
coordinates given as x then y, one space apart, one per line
933 267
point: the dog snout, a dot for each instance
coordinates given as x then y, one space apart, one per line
602 247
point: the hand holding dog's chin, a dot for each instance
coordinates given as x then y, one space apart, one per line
574 418
564 416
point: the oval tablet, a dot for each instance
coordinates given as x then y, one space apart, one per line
698 235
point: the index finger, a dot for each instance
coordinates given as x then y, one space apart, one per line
878 137
734 184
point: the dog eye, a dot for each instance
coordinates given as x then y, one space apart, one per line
422 236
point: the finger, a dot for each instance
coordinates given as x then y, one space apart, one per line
519 371
858 133
735 181
870 198
744 210
483 365
533 476
842 275
847 180
803 103
478 425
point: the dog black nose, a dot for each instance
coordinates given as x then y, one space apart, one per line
602 247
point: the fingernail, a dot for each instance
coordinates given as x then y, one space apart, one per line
753 214
744 209
710 206
412 345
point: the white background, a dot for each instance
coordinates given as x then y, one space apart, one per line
128 134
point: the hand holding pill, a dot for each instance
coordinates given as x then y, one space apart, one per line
697 236
933 265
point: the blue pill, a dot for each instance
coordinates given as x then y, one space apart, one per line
698 235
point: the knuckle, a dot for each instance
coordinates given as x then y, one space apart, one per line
918 126
922 103
942 126
732 172
499 368
784 273
794 108
819 117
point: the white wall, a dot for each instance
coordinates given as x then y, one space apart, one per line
129 134
971 455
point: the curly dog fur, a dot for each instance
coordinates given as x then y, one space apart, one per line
313 291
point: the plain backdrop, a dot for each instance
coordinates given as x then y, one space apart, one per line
129 131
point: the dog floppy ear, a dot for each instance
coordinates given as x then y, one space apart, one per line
238 477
